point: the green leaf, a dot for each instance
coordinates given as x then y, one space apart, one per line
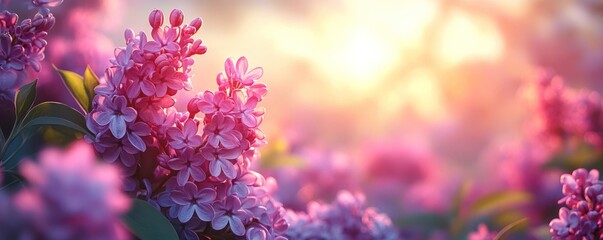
499 201
54 113
75 84
507 229
147 223
24 99
90 82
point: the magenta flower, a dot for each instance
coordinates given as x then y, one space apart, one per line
229 212
218 102
482 233
220 160
188 164
186 137
176 17
194 200
140 81
221 131
237 76
116 114
156 18
246 107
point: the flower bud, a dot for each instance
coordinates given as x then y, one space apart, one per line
129 35
156 18
176 17
197 22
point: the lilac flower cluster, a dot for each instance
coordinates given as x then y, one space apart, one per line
346 218
564 113
22 47
583 199
200 179
70 196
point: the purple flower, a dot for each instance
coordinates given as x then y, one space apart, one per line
220 160
22 46
244 180
186 137
10 55
188 164
221 130
568 220
112 149
134 133
194 200
72 196
229 212
584 200
115 113
346 218
188 230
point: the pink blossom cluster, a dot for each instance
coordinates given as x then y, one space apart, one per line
345 218
583 199
70 196
22 46
195 169
566 114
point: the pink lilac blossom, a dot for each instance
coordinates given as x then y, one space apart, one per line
22 46
580 218
482 233
70 196
564 114
194 166
345 218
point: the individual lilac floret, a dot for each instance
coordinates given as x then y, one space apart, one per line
192 200
70 196
581 216
229 212
346 218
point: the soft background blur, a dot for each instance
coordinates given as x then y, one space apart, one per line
406 101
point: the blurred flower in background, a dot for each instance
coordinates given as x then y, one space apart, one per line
69 195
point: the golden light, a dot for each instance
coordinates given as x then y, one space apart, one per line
420 94
468 38
361 59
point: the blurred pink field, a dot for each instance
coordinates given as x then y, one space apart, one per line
434 119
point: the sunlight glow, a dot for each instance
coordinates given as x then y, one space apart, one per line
467 38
